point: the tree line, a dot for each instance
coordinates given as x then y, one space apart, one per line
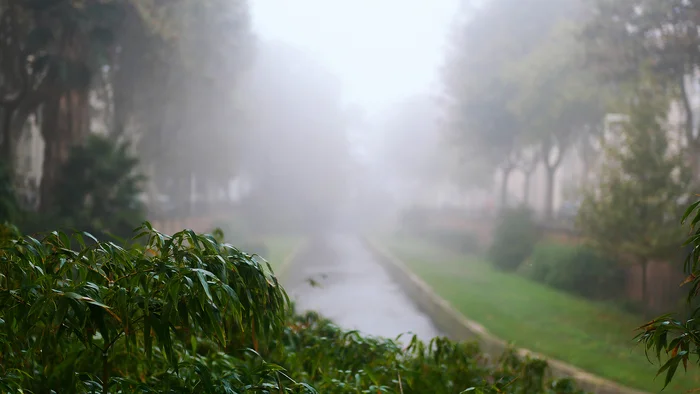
147 74
540 87
612 82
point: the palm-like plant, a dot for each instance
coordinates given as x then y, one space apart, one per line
98 189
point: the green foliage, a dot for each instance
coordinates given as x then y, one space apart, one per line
514 238
187 314
670 340
576 269
341 362
167 317
617 38
494 85
98 189
630 214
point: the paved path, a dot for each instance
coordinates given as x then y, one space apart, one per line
353 290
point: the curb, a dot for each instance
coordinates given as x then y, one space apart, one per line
457 327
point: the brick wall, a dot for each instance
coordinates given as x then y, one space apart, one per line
663 278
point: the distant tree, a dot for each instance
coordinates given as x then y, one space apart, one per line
555 99
478 90
529 159
624 37
630 214
161 70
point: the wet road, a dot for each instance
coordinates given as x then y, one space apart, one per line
353 290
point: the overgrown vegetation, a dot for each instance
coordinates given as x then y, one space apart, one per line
99 188
630 213
594 336
514 239
579 270
189 314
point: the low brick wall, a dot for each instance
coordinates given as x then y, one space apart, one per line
458 327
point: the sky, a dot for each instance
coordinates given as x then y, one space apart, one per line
383 51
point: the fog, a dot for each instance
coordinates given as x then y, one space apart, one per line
360 145
348 92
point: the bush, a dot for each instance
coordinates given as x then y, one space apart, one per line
186 314
578 270
337 361
456 240
74 317
514 238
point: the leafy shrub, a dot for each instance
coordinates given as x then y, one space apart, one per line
73 316
187 313
514 238
457 240
336 361
98 190
576 269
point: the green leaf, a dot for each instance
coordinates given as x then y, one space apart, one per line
689 211
147 339
204 283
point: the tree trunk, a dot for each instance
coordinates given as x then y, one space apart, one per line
64 124
549 196
7 151
526 189
504 187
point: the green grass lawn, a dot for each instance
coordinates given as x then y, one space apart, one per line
594 337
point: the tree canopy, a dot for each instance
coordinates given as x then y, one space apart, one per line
632 211
160 74
522 88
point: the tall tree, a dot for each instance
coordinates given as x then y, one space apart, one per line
633 210
626 36
160 68
14 76
478 94
529 159
555 100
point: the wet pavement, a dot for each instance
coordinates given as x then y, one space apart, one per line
340 278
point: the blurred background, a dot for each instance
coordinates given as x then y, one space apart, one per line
501 147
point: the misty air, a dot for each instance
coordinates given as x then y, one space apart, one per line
336 196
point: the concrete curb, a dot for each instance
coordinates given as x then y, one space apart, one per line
457 327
